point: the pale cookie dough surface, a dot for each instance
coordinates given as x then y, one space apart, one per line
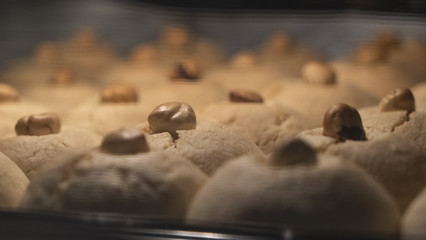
152 184
328 195
414 128
314 100
419 92
31 152
24 73
141 76
376 79
395 161
385 121
13 182
104 118
197 94
413 221
61 99
208 146
264 123
252 78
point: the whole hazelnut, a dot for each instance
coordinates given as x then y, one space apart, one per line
119 93
343 122
245 96
398 99
38 124
172 116
129 140
8 93
293 151
318 73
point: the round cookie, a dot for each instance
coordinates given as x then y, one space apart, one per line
185 84
34 70
119 106
317 92
396 162
61 93
397 113
143 70
13 182
371 71
87 55
413 220
265 123
40 139
282 53
243 71
122 176
174 128
178 43
296 188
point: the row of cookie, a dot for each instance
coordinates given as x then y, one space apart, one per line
319 186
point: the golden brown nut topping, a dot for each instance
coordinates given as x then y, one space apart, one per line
398 99
8 93
119 94
318 73
244 96
244 59
172 116
370 54
343 122
291 152
185 71
38 124
145 54
62 77
129 140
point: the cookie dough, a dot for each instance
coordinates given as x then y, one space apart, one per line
296 187
123 176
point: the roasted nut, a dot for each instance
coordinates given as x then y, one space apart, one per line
343 122
38 124
245 59
185 71
62 76
291 152
318 73
8 93
129 140
244 96
176 36
368 54
172 116
119 94
398 99
145 54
